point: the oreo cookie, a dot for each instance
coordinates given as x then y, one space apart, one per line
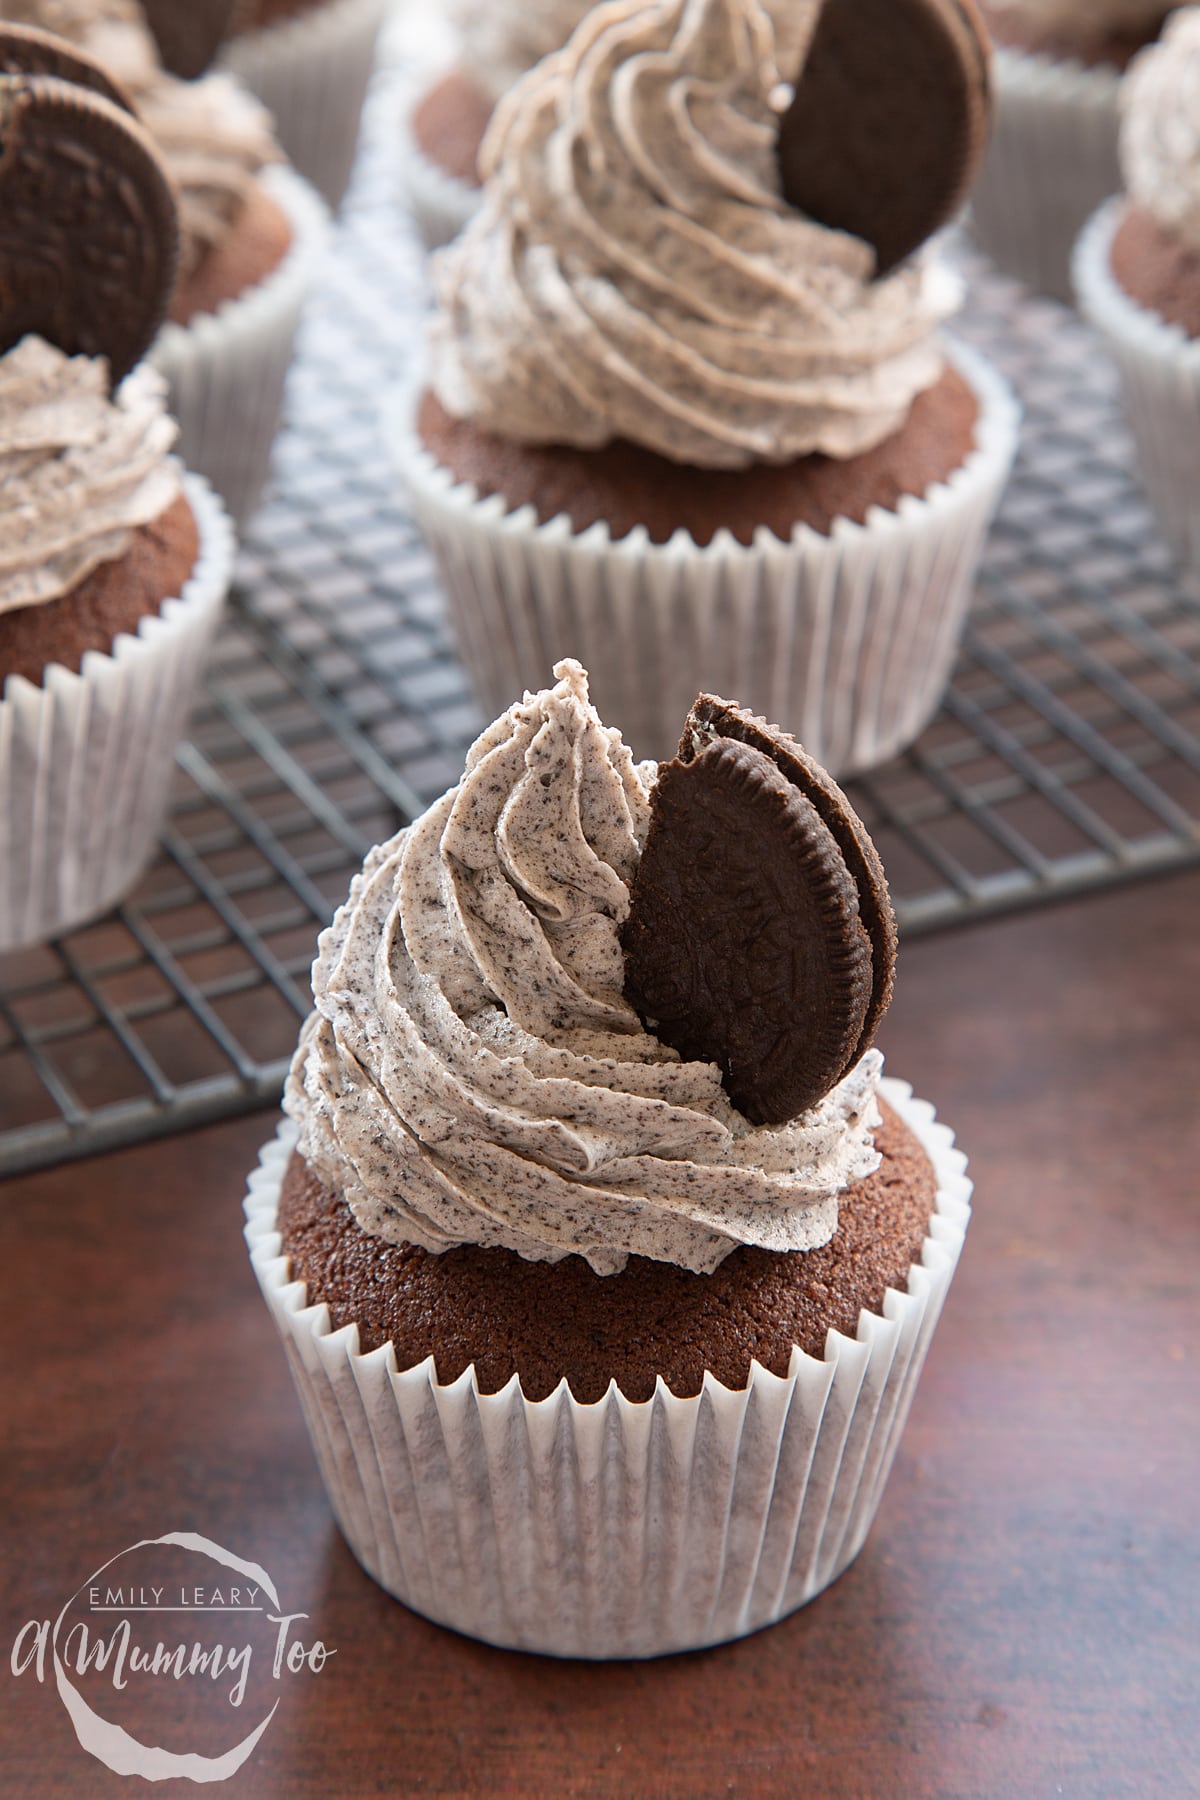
889 121
26 50
188 32
89 238
760 935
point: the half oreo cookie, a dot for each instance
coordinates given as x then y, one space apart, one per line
889 121
760 935
89 238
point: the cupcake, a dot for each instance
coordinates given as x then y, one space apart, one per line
113 562
251 235
309 62
1137 275
604 1259
677 427
1053 154
498 41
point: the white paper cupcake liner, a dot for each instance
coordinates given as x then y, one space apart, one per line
1159 367
621 1528
441 203
1052 159
86 759
846 640
226 370
311 72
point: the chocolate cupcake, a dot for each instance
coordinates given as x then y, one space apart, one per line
1137 275
251 235
677 427
637 1363
498 41
113 563
1053 154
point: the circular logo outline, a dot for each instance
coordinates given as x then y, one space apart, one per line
117 1748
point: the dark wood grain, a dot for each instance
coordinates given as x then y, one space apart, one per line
1023 1619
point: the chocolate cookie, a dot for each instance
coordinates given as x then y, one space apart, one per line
711 718
188 32
760 934
89 239
889 120
25 50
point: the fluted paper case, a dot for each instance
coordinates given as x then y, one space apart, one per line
620 1528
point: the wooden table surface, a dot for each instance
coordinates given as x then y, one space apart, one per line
1025 1617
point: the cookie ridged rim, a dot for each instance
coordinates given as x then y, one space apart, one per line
27 51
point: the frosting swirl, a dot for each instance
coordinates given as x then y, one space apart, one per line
472 1072
635 272
213 136
1160 128
78 471
1086 20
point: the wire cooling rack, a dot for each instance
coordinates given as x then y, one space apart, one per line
1066 756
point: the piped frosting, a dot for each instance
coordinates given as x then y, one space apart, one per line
79 472
472 1072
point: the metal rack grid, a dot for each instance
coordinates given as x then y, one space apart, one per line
1066 756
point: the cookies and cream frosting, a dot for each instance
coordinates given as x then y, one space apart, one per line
1085 20
473 1073
213 136
79 471
1160 128
635 272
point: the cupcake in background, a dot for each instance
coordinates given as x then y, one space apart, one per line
309 62
677 428
251 235
113 562
1053 154
1137 275
498 40
605 1261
